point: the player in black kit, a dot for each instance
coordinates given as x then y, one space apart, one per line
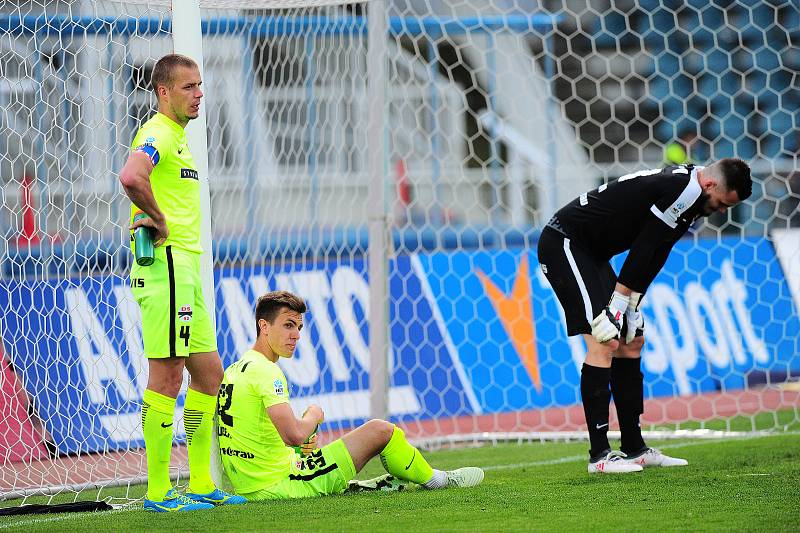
646 213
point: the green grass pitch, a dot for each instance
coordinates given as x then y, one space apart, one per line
747 484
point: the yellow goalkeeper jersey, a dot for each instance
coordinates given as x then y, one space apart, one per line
174 180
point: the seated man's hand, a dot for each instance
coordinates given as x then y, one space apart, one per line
309 445
608 323
315 411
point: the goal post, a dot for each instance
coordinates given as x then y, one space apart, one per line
187 39
378 249
392 162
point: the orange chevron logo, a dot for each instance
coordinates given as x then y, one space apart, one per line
516 314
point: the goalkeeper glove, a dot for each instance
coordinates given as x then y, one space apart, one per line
608 323
634 319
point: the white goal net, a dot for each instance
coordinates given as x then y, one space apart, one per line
405 165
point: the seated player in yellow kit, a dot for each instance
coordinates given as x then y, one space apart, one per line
258 429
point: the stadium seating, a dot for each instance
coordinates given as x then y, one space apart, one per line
751 49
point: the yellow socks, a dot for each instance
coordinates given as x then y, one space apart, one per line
198 418
157 418
402 460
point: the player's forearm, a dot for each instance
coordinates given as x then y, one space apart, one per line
633 277
313 417
646 257
639 276
303 427
141 194
306 427
622 289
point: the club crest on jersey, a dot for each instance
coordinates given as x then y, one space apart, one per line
185 313
188 173
150 140
278 384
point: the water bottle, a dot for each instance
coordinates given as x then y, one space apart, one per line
143 239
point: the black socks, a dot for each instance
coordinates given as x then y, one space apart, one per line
596 396
628 389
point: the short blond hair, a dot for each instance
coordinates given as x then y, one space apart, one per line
164 70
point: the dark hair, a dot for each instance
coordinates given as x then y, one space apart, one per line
270 305
737 178
163 72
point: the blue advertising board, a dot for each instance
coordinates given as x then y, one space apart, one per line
471 333
716 313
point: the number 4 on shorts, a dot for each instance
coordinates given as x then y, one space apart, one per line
184 334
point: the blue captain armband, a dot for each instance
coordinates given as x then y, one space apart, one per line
151 152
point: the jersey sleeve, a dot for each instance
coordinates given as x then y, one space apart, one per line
271 386
676 201
150 142
151 152
640 273
658 235
647 255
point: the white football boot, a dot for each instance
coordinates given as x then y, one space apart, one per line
613 463
469 476
653 457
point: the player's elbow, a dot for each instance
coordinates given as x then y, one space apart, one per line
127 178
135 172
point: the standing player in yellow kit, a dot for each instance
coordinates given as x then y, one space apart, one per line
161 179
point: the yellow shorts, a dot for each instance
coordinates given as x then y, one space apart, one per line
326 471
175 321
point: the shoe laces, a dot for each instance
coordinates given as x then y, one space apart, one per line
460 477
614 456
454 479
184 500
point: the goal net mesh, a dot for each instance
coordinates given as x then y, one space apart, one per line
495 115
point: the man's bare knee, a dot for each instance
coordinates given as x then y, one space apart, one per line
206 372
631 350
212 377
599 353
367 441
166 376
636 344
380 430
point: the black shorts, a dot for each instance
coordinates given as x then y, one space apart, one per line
582 283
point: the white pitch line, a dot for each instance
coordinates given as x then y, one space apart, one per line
570 459
576 458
